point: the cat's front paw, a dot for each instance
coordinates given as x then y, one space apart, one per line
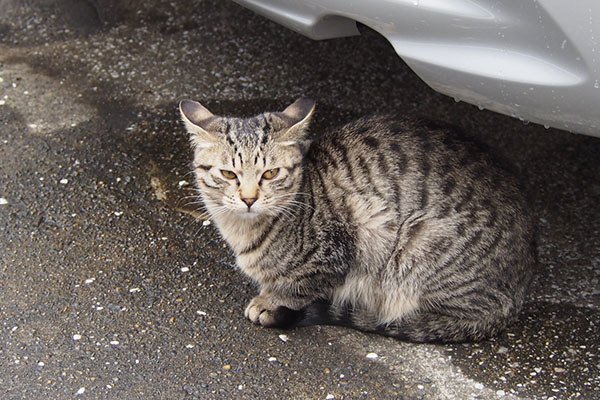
262 311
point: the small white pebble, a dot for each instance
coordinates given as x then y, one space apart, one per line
3 201
206 222
240 387
41 364
32 126
114 342
189 346
134 290
200 313
372 356
118 213
76 336
500 393
183 183
64 181
81 390
478 386
185 269
284 338
2 102
329 397
272 359
420 387
90 280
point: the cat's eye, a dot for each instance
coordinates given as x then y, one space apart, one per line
228 174
270 174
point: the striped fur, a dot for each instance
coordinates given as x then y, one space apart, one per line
386 225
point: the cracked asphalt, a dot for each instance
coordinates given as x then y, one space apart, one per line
112 285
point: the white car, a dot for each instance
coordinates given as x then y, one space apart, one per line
536 60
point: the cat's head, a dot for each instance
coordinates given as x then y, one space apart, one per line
248 166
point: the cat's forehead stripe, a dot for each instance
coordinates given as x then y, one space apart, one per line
247 132
226 132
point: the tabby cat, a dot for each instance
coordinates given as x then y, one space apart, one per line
386 225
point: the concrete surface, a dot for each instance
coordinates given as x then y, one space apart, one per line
111 287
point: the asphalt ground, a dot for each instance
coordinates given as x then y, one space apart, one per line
112 286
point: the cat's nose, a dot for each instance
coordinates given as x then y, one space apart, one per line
249 201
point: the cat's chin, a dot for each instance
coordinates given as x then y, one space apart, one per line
249 214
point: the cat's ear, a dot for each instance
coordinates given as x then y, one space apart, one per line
298 115
196 119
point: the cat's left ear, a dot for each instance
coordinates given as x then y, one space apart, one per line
298 115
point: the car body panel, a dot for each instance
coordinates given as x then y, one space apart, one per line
533 60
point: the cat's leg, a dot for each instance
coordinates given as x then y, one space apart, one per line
308 276
465 290
465 310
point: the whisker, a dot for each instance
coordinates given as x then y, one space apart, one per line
288 212
191 196
292 194
191 172
301 204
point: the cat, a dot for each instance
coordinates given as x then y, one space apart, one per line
386 225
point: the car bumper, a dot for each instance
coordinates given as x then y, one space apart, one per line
533 60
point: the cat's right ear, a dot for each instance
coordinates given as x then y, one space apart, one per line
298 116
196 119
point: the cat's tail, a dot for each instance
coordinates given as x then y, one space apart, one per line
324 313
420 327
